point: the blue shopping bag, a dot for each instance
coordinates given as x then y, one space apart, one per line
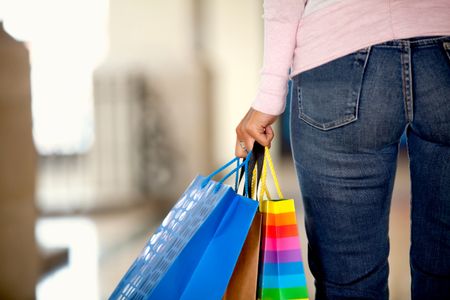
191 256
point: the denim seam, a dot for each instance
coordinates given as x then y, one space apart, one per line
366 60
429 41
410 84
399 43
405 59
446 46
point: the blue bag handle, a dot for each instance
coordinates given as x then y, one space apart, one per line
238 176
239 165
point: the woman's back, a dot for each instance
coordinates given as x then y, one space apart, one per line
329 29
303 34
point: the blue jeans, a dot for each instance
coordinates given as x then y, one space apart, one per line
347 118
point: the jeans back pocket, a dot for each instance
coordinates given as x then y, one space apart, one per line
446 46
328 95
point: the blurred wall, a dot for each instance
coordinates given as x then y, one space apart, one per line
155 39
201 61
178 77
18 251
233 41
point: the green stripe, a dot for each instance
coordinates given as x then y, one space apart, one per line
281 294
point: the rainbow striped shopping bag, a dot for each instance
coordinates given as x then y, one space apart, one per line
281 271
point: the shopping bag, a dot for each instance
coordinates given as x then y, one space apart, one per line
281 271
243 282
192 254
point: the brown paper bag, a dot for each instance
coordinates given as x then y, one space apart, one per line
243 282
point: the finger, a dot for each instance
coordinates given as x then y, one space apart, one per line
243 150
270 134
239 151
261 136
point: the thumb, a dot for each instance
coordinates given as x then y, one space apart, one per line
269 134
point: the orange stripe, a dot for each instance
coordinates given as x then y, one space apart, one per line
279 219
280 231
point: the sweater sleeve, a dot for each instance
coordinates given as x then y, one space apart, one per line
281 20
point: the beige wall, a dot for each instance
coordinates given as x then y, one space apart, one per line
233 44
202 59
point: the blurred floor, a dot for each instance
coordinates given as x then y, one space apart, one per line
103 246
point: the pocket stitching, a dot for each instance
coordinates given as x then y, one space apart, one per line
346 119
329 125
446 46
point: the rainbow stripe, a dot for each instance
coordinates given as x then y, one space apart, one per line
281 274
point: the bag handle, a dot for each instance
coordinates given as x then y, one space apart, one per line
251 171
254 171
210 176
264 191
250 187
239 165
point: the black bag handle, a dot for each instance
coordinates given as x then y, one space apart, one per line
256 160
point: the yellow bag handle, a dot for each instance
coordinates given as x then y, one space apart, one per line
264 190
253 183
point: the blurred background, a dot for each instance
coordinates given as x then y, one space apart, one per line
108 109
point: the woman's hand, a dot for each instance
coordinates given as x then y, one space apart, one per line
254 126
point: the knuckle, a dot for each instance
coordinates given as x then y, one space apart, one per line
251 130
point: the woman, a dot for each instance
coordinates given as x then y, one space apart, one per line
362 72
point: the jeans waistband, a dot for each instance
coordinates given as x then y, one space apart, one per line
415 41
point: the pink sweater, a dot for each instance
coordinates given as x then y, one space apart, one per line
302 37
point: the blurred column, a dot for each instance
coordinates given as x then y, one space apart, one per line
232 42
156 39
200 60
18 251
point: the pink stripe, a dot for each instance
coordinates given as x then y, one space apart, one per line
280 244
282 256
